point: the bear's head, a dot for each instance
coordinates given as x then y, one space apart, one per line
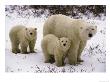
65 43
31 33
88 32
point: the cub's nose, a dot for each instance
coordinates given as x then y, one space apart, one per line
90 35
30 33
64 44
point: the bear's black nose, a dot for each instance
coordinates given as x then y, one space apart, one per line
90 35
30 33
64 44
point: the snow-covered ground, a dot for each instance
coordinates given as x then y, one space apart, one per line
94 55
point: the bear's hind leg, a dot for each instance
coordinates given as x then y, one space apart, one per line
18 50
45 52
52 59
15 47
48 57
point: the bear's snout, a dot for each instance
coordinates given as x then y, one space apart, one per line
64 44
90 35
30 33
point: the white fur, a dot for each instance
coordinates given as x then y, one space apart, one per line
52 45
20 35
76 30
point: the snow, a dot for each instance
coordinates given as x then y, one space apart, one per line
94 55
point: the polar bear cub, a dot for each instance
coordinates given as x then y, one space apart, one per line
56 47
23 36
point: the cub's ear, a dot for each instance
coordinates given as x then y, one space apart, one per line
35 28
95 26
26 28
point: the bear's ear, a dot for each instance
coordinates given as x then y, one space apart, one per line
26 28
35 28
95 26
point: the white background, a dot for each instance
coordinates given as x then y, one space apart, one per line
57 77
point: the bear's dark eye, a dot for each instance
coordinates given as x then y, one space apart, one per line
66 41
61 41
92 29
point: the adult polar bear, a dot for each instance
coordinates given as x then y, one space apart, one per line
77 30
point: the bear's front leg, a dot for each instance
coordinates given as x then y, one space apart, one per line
32 45
81 48
58 59
72 54
24 46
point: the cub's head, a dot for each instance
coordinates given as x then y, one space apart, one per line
88 32
31 33
65 43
